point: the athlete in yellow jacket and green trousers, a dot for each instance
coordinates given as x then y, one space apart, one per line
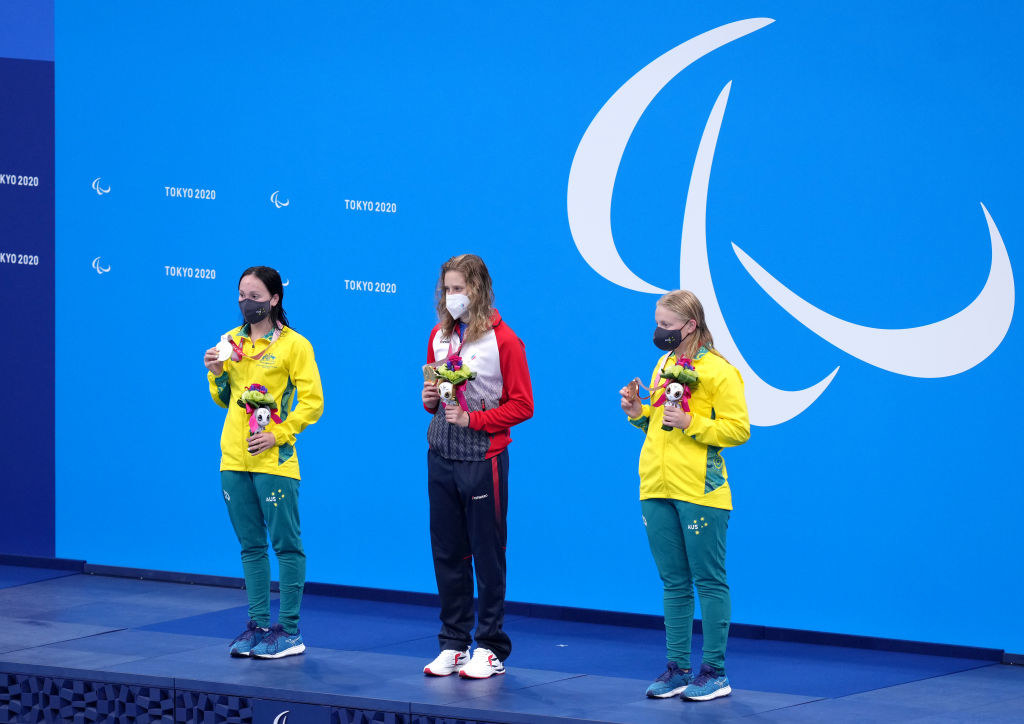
685 501
261 491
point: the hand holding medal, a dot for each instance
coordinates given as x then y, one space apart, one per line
630 401
223 348
214 357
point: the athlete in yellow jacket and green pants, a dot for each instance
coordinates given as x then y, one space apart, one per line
271 366
684 492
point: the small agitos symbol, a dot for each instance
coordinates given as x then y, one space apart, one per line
99 189
100 269
277 202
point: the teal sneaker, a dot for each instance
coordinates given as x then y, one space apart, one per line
245 641
671 683
278 644
710 683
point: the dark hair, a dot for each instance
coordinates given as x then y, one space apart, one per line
272 281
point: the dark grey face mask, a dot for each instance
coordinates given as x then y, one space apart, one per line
254 312
667 339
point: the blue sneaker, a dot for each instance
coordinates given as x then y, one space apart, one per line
245 641
710 683
672 682
278 644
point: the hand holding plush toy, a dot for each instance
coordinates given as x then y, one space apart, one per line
451 377
679 377
259 406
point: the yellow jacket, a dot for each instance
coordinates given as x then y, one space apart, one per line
687 464
288 371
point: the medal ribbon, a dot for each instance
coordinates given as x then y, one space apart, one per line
237 353
453 357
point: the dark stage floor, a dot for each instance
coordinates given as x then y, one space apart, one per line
367 657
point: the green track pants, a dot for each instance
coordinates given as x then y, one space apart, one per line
688 544
258 502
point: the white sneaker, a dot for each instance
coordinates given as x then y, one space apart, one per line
483 665
447 663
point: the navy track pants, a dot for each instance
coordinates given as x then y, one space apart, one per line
468 508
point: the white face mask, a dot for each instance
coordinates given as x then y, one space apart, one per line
457 304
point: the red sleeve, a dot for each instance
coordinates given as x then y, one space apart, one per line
431 360
517 392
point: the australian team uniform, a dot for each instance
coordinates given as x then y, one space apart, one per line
685 500
262 491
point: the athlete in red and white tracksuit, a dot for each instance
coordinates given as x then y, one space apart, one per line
467 481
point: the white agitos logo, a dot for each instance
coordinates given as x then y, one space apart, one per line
277 202
98 188
915 352
282 718
98 266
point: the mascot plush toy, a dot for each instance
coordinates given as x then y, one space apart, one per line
451 377
263 417
259 406
678 379
447 391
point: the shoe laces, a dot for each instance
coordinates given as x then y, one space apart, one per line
706 674
670 670
250 631
276 632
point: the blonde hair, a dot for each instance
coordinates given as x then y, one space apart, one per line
479 291
686 306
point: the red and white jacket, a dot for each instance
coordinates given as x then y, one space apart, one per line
499 397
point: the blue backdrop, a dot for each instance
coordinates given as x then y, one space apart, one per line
26 276
196 140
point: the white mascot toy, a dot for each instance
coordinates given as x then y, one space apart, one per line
447 391
673 398
262 417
